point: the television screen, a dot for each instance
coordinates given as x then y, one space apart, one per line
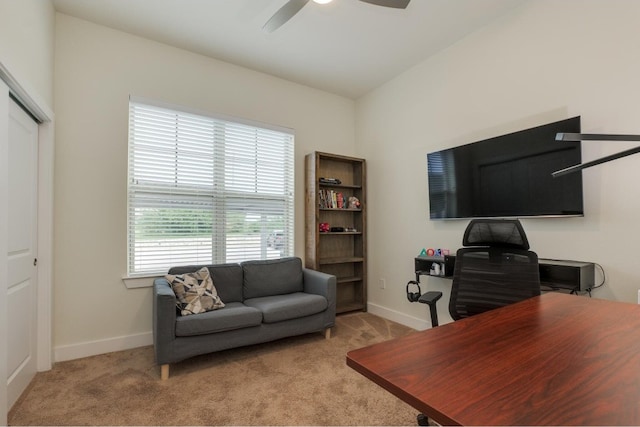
508 176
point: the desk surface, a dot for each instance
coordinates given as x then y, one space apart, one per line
556 359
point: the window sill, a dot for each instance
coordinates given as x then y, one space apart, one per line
139 281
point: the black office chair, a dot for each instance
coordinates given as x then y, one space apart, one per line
494 269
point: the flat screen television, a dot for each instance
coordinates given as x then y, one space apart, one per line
508 176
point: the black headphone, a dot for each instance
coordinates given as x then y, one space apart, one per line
413 296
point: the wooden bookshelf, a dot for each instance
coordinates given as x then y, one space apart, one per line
341 253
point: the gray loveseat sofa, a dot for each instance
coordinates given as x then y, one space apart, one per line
264 301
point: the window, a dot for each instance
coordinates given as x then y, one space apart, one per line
205 190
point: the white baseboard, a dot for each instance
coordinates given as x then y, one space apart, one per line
398 317
93 348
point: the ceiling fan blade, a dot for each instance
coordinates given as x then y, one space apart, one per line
397 4
283 14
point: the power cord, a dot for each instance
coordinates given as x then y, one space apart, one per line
604 278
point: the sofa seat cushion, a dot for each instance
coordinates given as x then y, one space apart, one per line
277 308
234 315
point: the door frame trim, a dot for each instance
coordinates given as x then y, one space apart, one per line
4 245
31 100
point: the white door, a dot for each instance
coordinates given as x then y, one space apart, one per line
21 254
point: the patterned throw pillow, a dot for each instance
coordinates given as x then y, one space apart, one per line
195 292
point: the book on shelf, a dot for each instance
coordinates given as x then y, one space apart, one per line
329 199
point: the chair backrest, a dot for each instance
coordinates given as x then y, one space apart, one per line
499 271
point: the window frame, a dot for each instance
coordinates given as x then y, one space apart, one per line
263 198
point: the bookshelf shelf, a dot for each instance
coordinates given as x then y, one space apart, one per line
339 260
322 185
349 279
340 233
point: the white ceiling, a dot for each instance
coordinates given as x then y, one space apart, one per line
346 47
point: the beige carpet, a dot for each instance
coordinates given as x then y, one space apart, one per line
296 381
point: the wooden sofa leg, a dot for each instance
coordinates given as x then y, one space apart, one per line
164 372
327 333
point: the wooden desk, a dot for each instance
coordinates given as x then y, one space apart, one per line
556 359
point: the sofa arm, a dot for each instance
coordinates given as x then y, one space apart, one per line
164 320
317 282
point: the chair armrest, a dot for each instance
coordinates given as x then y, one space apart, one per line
164 319
431 298
319 283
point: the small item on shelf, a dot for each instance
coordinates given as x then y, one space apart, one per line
441 253
435 269
354 203
335 181
337 229
350 229
324 227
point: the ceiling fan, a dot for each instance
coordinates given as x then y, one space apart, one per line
292 7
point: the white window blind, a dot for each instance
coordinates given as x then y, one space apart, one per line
204 190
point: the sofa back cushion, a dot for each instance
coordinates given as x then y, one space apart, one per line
227 278
272 277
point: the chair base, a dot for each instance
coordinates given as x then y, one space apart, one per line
423 420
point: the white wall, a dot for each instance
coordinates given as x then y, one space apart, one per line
546 61
26 43
96 69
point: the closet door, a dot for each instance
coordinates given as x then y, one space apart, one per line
21 286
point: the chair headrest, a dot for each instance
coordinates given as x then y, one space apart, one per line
495 232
